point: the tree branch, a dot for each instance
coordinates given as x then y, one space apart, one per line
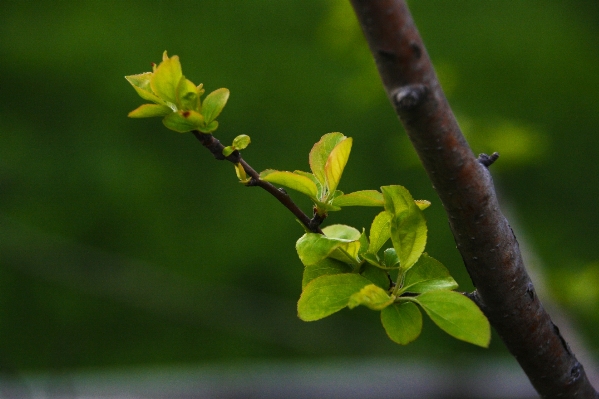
483 236
216 148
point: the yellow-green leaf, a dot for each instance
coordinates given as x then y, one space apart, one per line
360 198
141 84
457 315
402 322
371 296
380 231
326 295
241 142
428 274
183 121
214 103
320 154
187 96
165 80
336 163
325 267
408 226
150 110
291 180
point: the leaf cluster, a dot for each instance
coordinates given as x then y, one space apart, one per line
176 99
344 267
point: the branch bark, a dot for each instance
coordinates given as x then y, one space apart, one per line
483 236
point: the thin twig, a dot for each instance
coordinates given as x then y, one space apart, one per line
216 148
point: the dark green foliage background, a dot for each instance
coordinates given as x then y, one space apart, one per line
123 243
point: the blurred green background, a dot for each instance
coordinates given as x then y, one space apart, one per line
125 244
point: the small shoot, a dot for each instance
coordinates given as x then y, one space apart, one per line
176 99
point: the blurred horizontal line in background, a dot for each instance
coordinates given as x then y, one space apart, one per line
347 379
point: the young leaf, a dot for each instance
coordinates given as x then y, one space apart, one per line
377 275
228 150
380 231
187 96
325 267
402 322
422 204
183 121
312 248
214 103
150 110
320 154
336 163
241 142
240 172
360 198
371 296
165 79
326 295
457 315
208 128
347 252
342 231
428 274
141 84
408 226
291 180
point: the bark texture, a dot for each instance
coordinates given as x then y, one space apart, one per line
483 236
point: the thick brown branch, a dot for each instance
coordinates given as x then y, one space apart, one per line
216 148
483 236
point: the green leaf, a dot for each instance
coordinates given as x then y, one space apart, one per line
360 198
377 275
371 296
165 79
363 243
428 274
380 231
325 267
342 231
313 247
390 257
187 96
141 84
320 154
214 103
241 142
422 204
457 315
402 322
336 163
314 180
350 247
240 172
372 259
326 295
150 110
408 226
291 180
228 150
208 128
183 121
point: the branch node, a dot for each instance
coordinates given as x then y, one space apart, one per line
408 97
488 160
316 221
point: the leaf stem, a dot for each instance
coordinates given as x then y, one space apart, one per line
216 148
